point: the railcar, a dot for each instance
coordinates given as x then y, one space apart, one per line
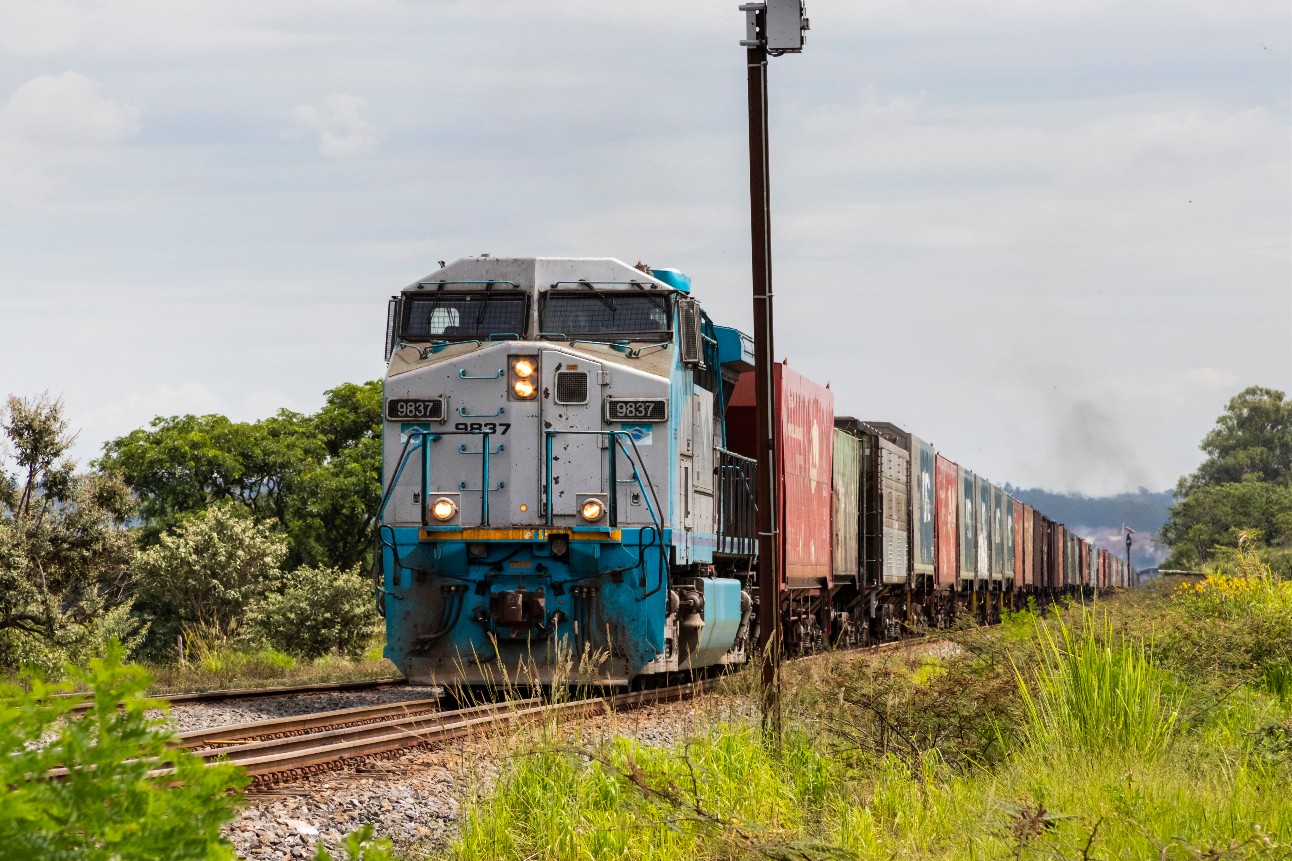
568 491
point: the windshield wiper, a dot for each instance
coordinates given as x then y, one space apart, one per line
600 298
484 306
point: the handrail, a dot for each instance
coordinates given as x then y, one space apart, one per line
615 438
612 470
420 439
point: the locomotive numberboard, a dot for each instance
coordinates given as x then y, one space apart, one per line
636 410
404 409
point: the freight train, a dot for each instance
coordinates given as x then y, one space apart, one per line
568 474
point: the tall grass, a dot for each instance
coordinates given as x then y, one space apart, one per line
628 800
1095 690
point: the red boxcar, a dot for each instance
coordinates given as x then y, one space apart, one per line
805 455
1020 551
1028 545
947 557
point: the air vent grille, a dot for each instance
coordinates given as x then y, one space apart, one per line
688 318
571 387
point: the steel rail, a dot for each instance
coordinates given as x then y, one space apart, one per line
267 759
296 724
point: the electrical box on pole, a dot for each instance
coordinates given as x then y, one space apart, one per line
786 23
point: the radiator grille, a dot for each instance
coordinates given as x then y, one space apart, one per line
571 387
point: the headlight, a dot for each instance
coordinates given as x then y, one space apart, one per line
523 377
591 510
443 509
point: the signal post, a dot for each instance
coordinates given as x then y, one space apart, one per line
772 28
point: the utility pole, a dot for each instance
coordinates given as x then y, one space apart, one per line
772 28
1130 572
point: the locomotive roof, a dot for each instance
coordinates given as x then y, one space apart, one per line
541 271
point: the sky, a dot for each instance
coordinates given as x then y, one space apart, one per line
1051 238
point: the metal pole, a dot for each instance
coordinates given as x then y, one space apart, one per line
1130 572
760 224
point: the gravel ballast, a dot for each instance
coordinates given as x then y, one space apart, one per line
415 799
185 716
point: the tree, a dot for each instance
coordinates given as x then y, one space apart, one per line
1244 484
1252 441
1216 515
208 570
65 549
317 477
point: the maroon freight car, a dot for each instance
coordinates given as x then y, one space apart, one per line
804 416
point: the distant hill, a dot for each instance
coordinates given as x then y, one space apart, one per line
1100 518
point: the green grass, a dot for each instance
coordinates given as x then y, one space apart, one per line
1096 691
215 665
721 789
1078 737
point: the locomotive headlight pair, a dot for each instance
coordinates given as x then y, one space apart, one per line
524 377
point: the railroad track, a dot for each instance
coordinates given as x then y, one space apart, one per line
286 749
280 750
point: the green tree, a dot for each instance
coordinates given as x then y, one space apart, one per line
65 549
206 572
1216 515
186 463
113 804
314 611
1252 441
1245 484
316 476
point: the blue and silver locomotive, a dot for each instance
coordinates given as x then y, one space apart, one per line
554 472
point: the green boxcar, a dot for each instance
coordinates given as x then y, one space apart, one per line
847 505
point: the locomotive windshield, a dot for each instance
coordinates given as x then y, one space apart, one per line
463 316
590 313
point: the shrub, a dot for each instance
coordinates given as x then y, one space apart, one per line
1236 626
110 806
314 611
207 571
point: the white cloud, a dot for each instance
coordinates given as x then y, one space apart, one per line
53 125
66 110
340 129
